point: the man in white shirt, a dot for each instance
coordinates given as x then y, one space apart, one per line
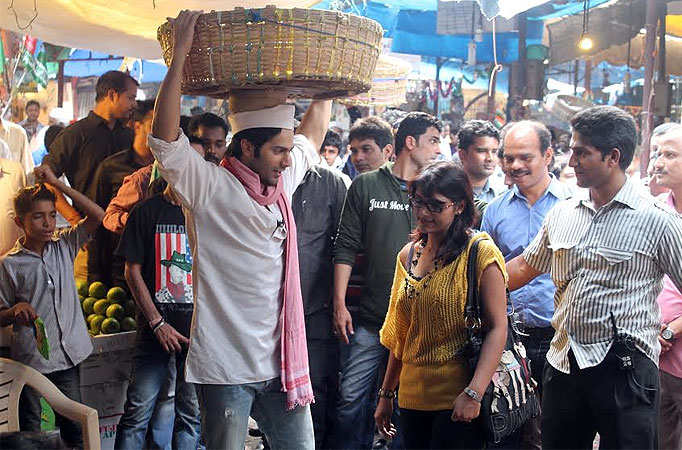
15 137
12 178
247 353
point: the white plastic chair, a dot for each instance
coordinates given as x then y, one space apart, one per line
13 377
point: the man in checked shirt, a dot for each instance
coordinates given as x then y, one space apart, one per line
607 252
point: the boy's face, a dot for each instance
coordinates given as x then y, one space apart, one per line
40 223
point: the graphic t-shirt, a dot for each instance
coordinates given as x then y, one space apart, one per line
155 237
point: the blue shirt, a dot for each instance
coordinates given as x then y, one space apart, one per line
513 223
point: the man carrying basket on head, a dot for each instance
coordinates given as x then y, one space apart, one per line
247 353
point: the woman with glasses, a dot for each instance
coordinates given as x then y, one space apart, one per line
424 329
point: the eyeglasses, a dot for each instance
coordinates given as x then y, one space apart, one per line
434 207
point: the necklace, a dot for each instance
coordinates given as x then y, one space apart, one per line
412 292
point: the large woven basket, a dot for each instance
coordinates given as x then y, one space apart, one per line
566 106
309 53
389 86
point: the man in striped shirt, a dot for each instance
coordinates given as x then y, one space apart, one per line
607 252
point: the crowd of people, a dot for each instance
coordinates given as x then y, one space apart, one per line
316 281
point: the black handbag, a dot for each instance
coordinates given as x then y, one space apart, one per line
511 398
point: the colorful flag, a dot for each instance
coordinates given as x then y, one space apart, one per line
34 67
2 58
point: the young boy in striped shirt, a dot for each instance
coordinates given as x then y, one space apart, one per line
37 281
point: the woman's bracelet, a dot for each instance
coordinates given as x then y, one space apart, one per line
158 325
386 393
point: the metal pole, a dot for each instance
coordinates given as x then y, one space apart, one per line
652 15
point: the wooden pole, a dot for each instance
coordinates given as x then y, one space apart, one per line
662 75
60 85
652 15
588 77
576 76
439 63
521 78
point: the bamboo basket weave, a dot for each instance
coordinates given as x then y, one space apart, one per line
389 86
309 53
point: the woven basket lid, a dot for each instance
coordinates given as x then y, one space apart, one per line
309 53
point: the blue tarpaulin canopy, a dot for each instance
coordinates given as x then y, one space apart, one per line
83 63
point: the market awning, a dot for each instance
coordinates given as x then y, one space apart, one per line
117 27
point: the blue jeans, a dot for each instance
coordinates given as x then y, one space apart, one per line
150 365
225 411
361 371
160 432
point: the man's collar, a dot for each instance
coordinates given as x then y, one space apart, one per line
314 169
627 196
556 188
93 116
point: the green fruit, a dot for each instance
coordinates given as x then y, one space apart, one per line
101 306
80 298
130 308
116 295
116 311
97 290
82 288
89 318
96 324
89 305
128 324
110 326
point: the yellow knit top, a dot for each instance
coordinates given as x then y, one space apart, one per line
426 331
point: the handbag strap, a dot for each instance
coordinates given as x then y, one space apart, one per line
472 310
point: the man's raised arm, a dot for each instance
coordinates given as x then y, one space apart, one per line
316 121
167 109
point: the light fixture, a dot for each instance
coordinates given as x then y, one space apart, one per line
471 54
478 36
586 43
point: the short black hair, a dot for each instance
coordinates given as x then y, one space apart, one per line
113 79
414 124
257 137
26 197
332 138
541 131
473 129
207 120
32 102
184 124
143 108
195 140
51 134
606 128
372 128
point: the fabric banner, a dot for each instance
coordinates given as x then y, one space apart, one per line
35 67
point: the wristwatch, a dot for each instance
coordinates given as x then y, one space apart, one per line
473 394
668 334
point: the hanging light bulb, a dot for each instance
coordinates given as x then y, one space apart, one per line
471 55
586 43
478 35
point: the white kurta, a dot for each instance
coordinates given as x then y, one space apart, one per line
238 262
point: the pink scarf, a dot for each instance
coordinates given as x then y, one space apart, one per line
294 357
